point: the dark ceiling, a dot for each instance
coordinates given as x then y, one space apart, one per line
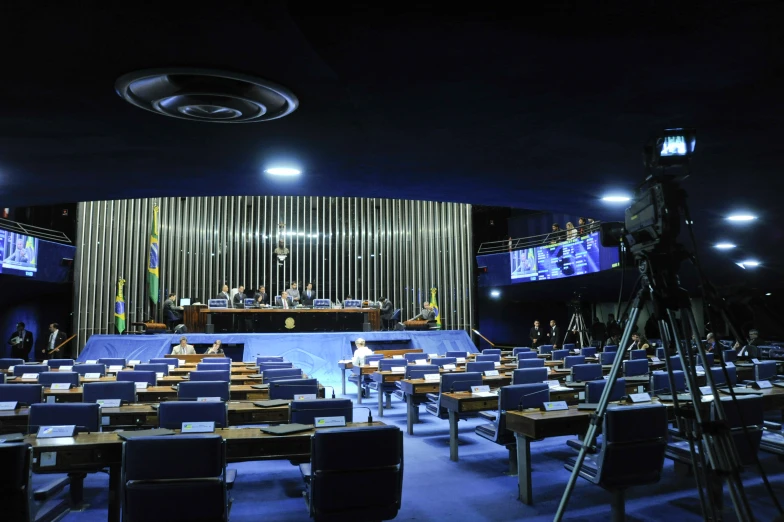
542 107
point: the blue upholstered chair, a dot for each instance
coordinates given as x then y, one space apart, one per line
526 355
570 346
545 349
269 358
113 361
451 382
386 365
572 360
586 372
281 374
202 366
86 417
660 353
56 363
263 367
611 348
708 362
638 354
480 366
660 382
675 362
8 362
16 484
162 481
635 367
216 360
730 355
594 389
765 371
210 375
287 389
155 368
22 393
415 371
194 390
411 357
168 361
588 351
441 361
96 391
720 379
83 369
520 349
375 357
632 453
558 355
340 488
304 412
48 378
137 376
493 357
491 351
607 358
172 414
529 375
457 353
30 368
530 363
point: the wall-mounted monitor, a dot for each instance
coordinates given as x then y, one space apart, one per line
27 256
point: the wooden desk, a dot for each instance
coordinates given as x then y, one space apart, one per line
89 452
162 393
195 358
461 403
294 320
235 370
235 379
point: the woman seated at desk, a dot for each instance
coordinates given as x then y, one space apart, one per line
361 352
215 348
183 348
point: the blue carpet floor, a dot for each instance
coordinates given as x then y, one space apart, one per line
475 489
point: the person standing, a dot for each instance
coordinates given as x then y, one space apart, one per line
535 335
21 342
239 297
308 295
554 335
293 293
56 338
387 311
224 294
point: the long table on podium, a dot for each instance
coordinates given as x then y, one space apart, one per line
292 320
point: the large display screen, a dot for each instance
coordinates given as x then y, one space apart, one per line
583 255
27 256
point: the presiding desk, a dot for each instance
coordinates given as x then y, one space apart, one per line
91 452
292 320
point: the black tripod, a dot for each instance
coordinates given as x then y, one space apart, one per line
714 456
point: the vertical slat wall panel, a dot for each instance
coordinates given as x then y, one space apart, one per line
366 248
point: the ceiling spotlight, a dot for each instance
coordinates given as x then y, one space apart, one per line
768 293
616 199
283 171
495 293
741 217
724 246
751 263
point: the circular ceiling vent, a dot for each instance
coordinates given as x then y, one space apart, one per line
206 95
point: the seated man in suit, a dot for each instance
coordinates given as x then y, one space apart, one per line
261 297
183 348
239 297
224 294
285 300
172 312
308 295
749 350
428 313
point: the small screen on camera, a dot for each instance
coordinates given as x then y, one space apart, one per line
674 146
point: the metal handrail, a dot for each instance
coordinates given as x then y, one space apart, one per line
32 230
509 245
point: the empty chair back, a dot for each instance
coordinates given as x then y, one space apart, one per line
608 357
708 361
30 368
545 349
522 396
8 362
571 360
493 357
281 373
441 361
527 355
137 376
520 349
56 363
660 382
172 414
287 389
675 362
586 372
764 370
368 488
594 390
86 417
638 354
730 356
22 393
530 363
49 378
558 355
155 368
411 357
529 375
162 481
418 371
83 369
216 360
611 348
454 382
15 481
660 353
269 358
588 351
721 379
747 411
570 346
635 367
371 358
263 367
635 438
304 412
457 353
96 391
480 366
194 390
210 375
113 361
491 351
168 361
386 365
202 366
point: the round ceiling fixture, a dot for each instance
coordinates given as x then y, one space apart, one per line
206 95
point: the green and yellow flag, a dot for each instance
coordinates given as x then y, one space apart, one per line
119 307
31 245
152 268
434 305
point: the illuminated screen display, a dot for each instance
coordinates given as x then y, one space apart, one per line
581 256
26 256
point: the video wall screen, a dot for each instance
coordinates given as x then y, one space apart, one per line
26 256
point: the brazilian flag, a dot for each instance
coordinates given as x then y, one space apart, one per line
119 307
152 268
434 305
31 247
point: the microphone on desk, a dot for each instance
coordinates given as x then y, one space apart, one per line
520 403
331 388
370 413
470 382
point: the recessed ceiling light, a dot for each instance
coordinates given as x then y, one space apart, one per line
751 263
724 246
768 293
616 198
741 217
283 171
495 293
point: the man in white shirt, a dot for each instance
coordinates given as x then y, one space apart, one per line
183 348
361 352
56 338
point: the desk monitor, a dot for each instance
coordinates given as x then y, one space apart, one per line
218 303
352 303
185 302
321 303
249 303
